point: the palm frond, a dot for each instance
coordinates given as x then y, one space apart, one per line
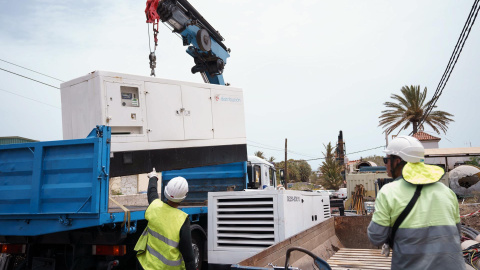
408 108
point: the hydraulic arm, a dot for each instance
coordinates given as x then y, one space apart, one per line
203 41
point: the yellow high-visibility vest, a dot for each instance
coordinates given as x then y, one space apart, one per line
157 247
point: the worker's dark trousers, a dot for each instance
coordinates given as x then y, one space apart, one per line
139 266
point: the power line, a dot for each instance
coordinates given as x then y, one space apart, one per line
31 70
366 150
453 60
29 78
296 153
30 99
430 132
348 153
280 149
264 147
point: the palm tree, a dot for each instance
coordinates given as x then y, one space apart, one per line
408 110
259 154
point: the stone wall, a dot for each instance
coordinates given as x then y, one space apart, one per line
131 184
124 185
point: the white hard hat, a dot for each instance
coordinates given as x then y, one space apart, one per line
176 189
408 148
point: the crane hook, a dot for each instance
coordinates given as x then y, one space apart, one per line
153 63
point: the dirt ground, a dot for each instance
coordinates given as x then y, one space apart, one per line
472 221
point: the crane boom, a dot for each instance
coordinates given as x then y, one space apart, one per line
205 44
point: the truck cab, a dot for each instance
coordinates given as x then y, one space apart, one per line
261 173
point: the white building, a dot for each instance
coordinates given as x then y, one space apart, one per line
448 158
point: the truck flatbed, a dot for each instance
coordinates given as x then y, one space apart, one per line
355 258
341 241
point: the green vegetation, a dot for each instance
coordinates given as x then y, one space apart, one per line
298 170
408 109
302 186
331 169
260 154
475 161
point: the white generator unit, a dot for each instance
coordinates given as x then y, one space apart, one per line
156 120
243 223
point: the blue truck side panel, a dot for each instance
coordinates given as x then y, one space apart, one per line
54 186
49 187
206 179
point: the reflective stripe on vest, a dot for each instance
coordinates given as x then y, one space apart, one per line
162 238
158 245
163 259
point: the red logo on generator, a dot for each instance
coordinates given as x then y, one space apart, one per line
217 97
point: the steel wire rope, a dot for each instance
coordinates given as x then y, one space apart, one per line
149 41
31 70
29 78
453 59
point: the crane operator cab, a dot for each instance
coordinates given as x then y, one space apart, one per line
261 173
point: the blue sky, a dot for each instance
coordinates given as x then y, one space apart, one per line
308 68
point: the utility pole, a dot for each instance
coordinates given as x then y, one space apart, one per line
341 153
286 167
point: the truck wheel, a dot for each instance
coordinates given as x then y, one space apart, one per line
197 245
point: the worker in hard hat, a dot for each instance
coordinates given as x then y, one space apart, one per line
166 242
428 237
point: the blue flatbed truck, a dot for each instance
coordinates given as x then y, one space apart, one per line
56 213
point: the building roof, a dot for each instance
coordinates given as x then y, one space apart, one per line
353 161
422 136
452 152
15 139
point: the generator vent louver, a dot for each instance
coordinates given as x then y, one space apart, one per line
326 211
245 222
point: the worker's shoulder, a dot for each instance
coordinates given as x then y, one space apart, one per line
157 203
392 186
440 187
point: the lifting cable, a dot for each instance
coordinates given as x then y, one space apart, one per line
154 19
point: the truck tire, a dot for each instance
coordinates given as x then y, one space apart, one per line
198 246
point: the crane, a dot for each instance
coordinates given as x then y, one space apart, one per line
205 44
